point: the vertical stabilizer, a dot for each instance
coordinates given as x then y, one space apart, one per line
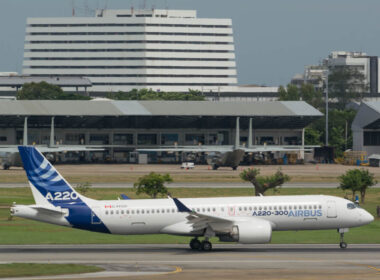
48 186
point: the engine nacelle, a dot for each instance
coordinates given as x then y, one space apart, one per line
255 231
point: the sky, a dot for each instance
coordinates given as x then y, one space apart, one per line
274 39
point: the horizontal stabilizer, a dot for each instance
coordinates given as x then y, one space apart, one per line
123 196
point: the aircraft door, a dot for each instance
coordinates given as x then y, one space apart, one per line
95 220
331 209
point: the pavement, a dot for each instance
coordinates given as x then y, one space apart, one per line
226 261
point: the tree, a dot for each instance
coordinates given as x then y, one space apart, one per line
263 183
313 136
149 94
291 93
311 96
357 180
346 84
45 91
152 184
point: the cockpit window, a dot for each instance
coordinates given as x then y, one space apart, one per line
351 206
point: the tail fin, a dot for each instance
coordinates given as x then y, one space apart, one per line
48 186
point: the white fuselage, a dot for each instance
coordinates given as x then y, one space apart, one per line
283 212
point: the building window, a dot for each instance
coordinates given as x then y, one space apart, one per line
147 139
123 139
169 138
3 138
194 139
99 139
371 138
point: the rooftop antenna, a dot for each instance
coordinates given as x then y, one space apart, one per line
73 8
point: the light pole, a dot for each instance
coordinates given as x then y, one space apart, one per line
327 108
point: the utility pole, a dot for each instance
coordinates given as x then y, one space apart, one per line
327 109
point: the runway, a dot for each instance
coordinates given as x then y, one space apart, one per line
226 261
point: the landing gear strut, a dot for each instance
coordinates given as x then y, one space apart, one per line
342 244
205 245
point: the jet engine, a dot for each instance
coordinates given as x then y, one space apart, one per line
249 232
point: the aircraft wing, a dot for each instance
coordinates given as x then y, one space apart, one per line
60 148
278 148
194 149
199 221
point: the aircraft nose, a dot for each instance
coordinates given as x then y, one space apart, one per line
367 217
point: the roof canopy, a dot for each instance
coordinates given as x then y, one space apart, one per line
157 114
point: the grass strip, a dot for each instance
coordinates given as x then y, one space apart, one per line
36 269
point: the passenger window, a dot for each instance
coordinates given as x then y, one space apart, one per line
137 211
203 210
142 211
305 207
239 208
222 209
260 208
208 209
250 208
213 209
122 212
198 210
320 206
152 211
167 210
163 211
111 212
148 211
290 207
117 212
173 210
275 207
265 208
128 212
315 206
270 207
279 207
310 207
133 211
285 207
106 212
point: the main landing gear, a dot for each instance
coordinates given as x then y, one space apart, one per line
342 244
205 245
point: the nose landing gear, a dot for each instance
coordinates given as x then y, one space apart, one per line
342 244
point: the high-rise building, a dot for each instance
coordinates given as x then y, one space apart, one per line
366 65
119 50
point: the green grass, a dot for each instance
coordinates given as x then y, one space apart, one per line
33 269
14 231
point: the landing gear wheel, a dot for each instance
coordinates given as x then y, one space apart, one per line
343 245
206 246
195 244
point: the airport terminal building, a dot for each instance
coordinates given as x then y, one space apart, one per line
124 126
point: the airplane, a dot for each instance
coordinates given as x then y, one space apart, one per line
247 220
10 157
230 155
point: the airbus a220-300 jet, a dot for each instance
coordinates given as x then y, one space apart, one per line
248 220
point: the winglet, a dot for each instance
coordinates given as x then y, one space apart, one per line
181 207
